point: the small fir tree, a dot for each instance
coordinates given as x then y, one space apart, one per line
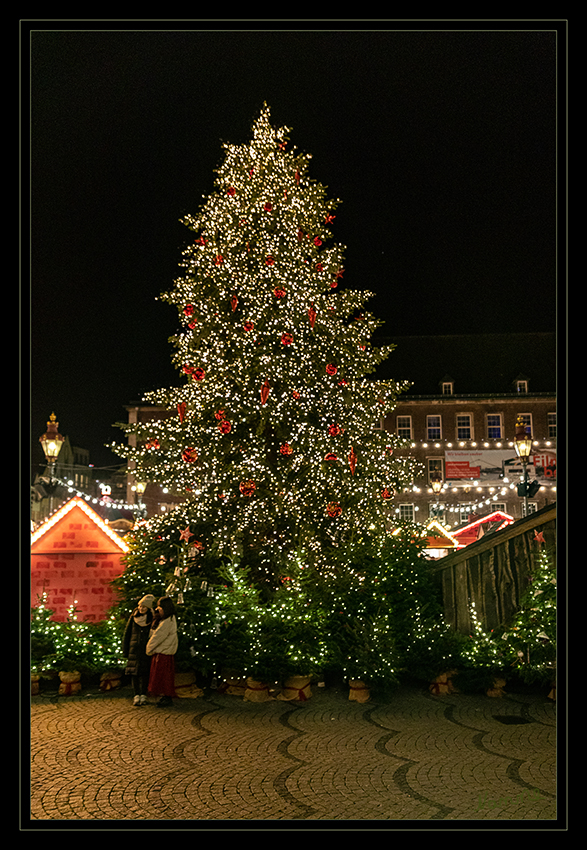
529 642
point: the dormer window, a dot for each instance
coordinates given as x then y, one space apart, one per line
447 385
521 384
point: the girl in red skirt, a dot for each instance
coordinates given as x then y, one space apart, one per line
162 646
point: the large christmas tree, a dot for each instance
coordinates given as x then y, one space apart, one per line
275 439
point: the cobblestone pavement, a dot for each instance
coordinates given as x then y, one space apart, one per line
410 756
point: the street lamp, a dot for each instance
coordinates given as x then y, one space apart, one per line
141 487
436 484
523 446
51 441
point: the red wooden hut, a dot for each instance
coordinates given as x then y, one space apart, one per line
74 556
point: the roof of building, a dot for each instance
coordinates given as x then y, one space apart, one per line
476 363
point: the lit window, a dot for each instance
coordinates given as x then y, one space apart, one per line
447 388
552 426
494 426
521 386
464 427
404 427
526 420
406 512
433 428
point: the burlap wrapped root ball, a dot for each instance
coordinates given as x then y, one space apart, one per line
358 691
443 685
296 688
111 680
70 682
256 691
497 690
186 687
234 684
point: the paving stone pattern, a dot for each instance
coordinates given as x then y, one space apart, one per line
411 756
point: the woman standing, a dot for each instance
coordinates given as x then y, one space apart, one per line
134 644
162 646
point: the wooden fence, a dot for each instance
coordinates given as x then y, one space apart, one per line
493 572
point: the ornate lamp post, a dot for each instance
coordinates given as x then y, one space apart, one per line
523 446
139 488
436 484
51 441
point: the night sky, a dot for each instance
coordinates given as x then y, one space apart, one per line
442 146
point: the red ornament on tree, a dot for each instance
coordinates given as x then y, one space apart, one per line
188 369
286 449
312 316
199 374
269 261
330 456
296 394
268 207
225 427
189 455
189 309
279 293
352 460
331 369
247 488
386 494
152 444
317 241
233 303
333 509
219 259
181 410
286 339
248 326
219 414
231 191
265 390
334 429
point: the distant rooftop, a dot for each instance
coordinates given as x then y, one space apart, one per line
476 363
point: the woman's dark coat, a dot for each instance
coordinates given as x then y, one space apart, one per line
134 643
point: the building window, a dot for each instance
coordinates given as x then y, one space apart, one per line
552 426
532 508
436 510
435 469
526 420
521 386
406 512
404 427
433 428
464 512
447 388
464 427
494 429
